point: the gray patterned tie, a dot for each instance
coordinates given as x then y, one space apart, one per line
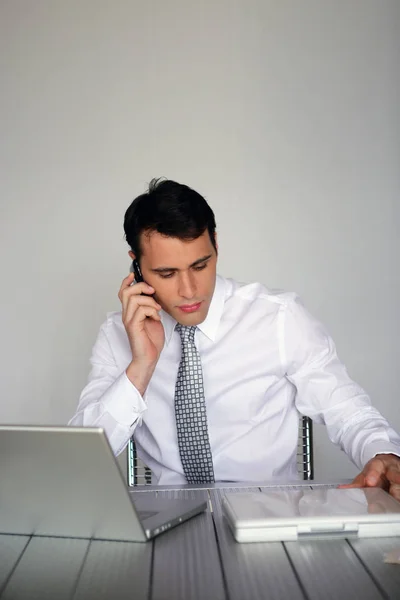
190 412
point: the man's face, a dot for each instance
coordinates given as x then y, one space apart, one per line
182 273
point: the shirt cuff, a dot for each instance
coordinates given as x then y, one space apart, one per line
123 401
380 448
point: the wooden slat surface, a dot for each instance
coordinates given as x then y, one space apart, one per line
253 571
120 570
49 568
371 552
11 548
330 569
186 560
198 560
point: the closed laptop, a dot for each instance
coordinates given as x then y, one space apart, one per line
304 514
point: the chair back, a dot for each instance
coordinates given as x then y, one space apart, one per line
305 452
139 474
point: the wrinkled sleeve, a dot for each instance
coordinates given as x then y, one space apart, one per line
109 399
327 394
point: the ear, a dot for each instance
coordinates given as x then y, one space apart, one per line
131 255
216 239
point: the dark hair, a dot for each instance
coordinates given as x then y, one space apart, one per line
170 208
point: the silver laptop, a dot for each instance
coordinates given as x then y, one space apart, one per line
305 513
65 481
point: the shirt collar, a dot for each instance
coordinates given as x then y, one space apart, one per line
210 325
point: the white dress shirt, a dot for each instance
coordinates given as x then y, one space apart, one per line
265 359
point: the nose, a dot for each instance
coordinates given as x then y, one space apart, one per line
187 286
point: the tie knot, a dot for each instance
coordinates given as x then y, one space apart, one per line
186 332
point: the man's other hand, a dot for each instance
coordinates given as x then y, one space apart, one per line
381 471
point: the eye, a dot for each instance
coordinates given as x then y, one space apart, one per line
166 275
200 267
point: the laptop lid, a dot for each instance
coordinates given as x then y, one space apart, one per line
304 513
65 481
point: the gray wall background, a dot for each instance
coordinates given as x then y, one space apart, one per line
284 114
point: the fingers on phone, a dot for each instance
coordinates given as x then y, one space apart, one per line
127 281
143 301
133 304
127 289
146 311
133 319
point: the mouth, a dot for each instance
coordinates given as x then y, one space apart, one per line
189 308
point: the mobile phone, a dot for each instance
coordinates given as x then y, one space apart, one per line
138 274
136 270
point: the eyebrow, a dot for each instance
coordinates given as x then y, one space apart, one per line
194 264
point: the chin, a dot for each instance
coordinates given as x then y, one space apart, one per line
191 318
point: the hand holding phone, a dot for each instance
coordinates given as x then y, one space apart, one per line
142 322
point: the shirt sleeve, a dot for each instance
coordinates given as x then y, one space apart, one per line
327 394
109 399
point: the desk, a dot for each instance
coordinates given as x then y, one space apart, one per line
195 561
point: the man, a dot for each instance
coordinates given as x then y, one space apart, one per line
210 375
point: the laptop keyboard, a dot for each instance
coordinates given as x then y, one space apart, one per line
146 514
